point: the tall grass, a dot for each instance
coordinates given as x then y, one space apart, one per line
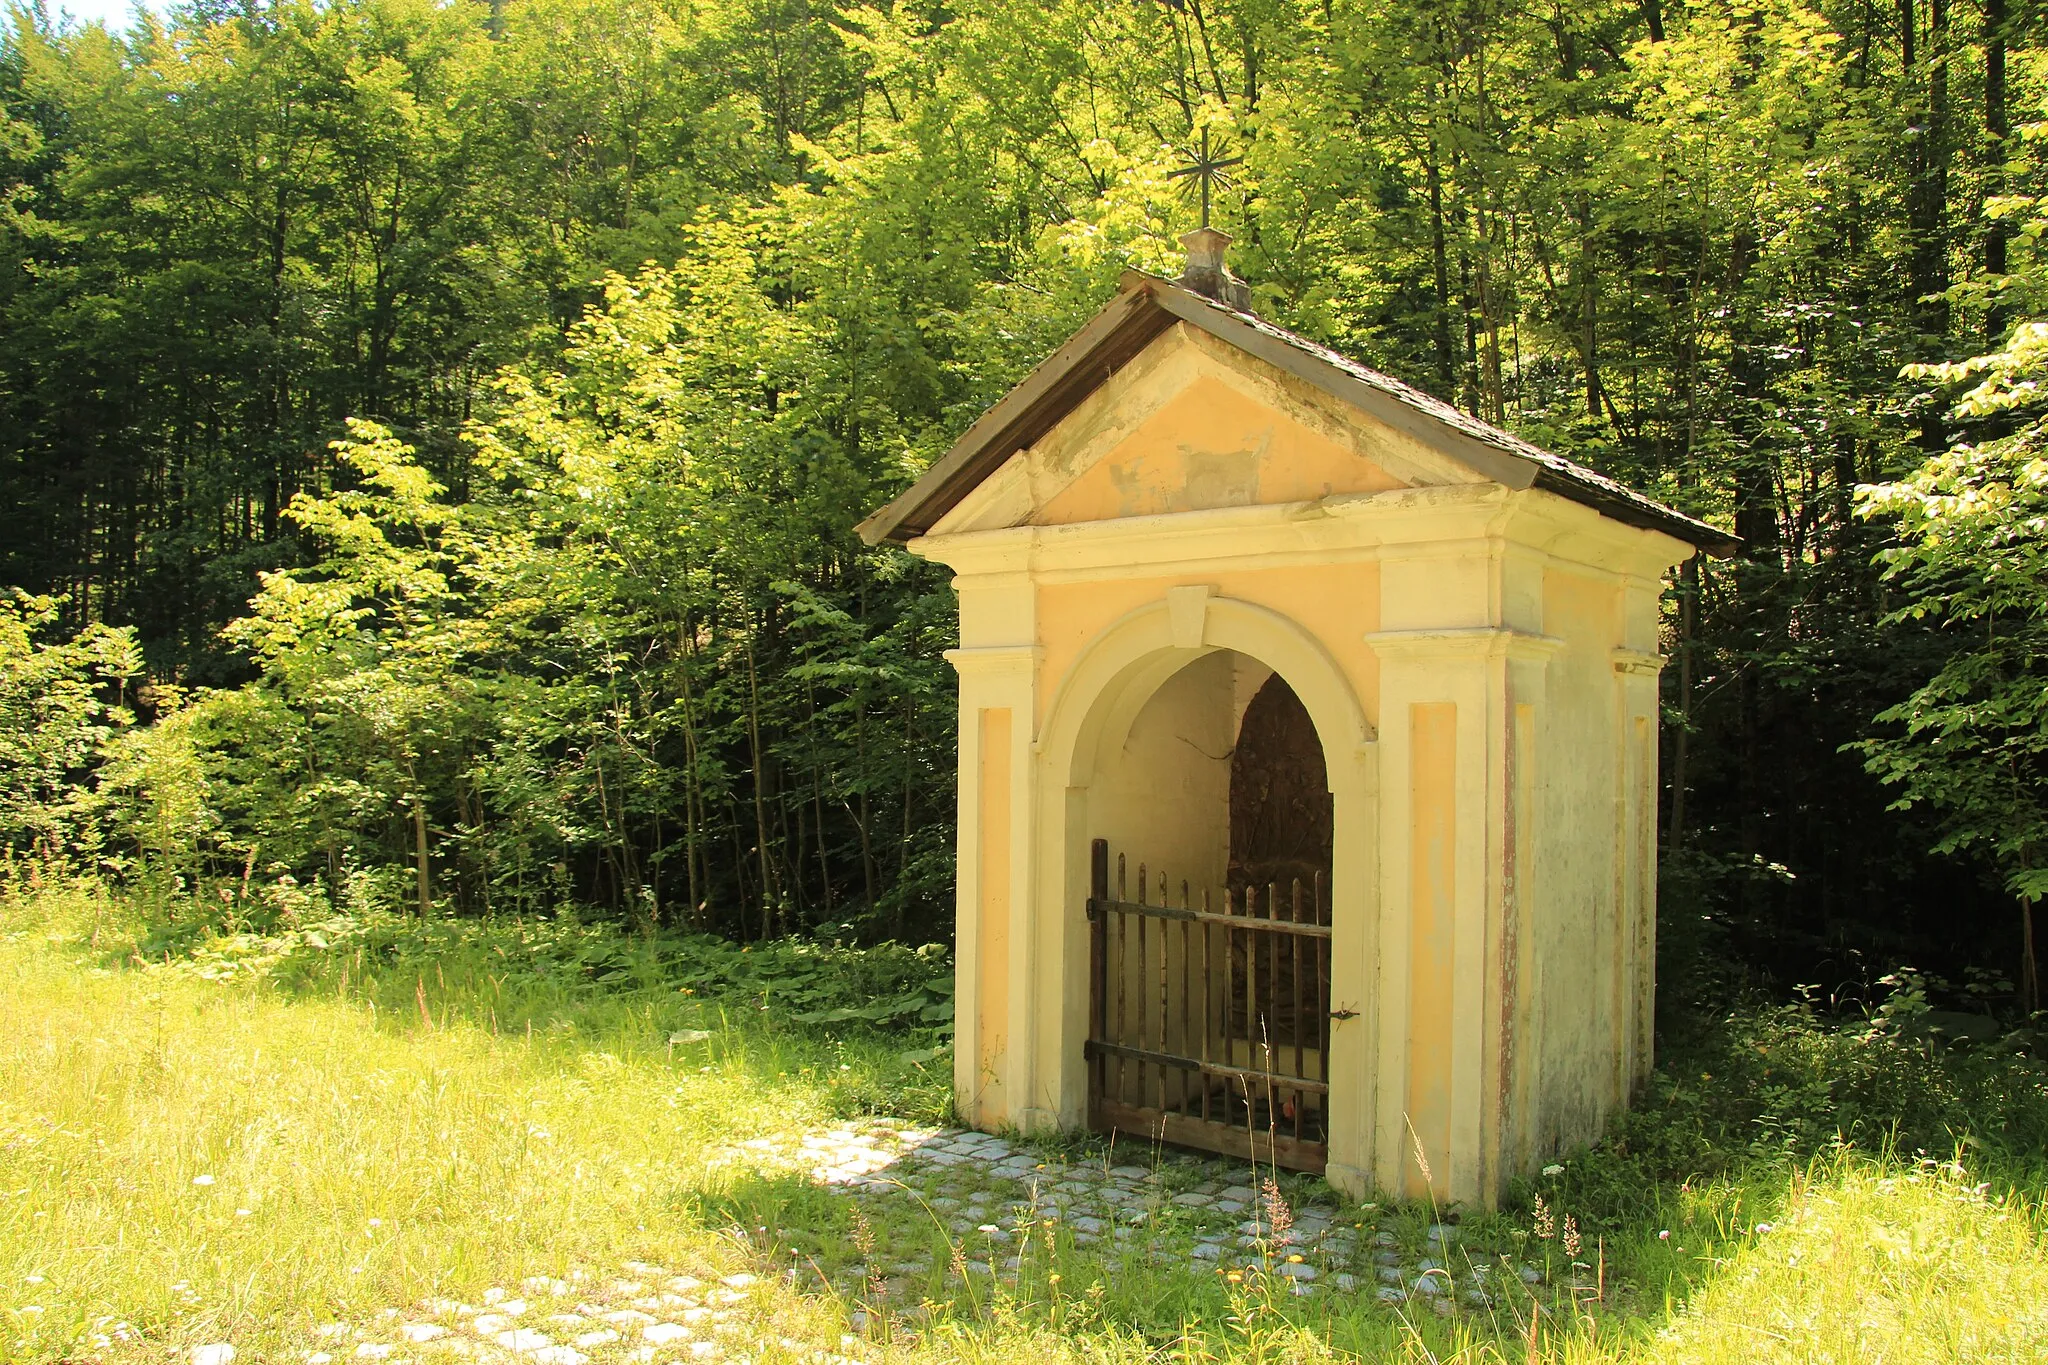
208 1163
1866 1265
254 1139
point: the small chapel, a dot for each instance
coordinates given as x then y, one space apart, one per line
1307 758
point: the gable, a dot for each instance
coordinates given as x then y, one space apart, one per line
1191 424
981 481
1212 446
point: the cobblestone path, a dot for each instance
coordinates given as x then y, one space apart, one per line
938 1217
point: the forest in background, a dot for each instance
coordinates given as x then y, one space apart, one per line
430 435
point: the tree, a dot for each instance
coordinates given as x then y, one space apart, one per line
61 700
1972 742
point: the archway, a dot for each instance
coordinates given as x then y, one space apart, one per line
1210 963
1280 806
1199 801
1162 792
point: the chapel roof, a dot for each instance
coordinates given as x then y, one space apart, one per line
1146 306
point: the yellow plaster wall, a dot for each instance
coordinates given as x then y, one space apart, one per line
1521 966
1191 424
1432 906
1339 604
1164 797
992 1008
1212 446
1572 914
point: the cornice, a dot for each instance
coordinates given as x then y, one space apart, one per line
995 661
1464 642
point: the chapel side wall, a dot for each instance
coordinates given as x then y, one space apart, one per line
1580 952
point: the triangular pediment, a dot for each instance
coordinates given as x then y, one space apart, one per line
1191 424
1174 399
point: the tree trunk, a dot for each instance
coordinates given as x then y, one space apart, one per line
1446 363
1927 202
693 791
870 873
1996 128
2030 969
419 838
1589 313
768 889
897 921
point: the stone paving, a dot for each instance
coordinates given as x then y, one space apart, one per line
998 1201
937 1215
642 1315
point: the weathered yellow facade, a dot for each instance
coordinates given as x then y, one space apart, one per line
1480 664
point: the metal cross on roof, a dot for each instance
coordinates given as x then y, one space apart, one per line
1207 170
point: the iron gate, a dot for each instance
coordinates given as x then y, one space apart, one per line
1210 1028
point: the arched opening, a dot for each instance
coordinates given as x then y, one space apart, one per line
1281 814
1211 821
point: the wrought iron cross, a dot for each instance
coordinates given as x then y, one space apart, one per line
1207 170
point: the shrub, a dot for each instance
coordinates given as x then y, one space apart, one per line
60 700
1777 1085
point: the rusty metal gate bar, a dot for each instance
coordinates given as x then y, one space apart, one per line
1247 1073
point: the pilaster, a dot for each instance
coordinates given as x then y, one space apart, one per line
994 943
1637 666
1462 662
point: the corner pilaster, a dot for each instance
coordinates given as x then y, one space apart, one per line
1637 667
1449 928
994 945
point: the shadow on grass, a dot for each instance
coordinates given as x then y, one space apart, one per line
901 1272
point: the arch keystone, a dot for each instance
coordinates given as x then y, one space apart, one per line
1187 614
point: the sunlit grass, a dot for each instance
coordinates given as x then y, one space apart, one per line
209 1163
1864 1265
185 1161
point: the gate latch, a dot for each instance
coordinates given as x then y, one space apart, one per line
1343 1014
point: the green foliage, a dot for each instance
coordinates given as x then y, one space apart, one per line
1779 1085
661 298
451 1079
414 1115
1972 741
60 701
288 937
487 692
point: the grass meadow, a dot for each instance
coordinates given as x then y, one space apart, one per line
209 1137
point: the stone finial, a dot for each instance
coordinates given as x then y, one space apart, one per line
1208 274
